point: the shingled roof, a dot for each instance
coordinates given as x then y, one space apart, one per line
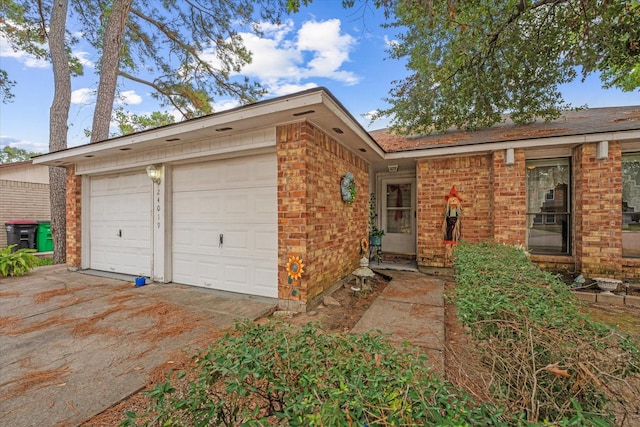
582 122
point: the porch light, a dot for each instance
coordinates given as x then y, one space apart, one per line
154 172
393 168
509 156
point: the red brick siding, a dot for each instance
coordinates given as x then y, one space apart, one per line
631 268
598 211
555 263
313 221
509 199
74 235
22 200
435 177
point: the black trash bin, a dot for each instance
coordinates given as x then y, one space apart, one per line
21 233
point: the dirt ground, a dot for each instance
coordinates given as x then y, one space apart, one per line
460 368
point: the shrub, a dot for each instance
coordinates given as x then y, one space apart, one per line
547 358
271 375
17 263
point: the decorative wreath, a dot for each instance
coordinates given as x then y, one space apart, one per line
295 268
364 246
348 188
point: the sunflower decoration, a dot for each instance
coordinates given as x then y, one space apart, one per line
364 246
294 268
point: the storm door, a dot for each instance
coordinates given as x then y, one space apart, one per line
399 215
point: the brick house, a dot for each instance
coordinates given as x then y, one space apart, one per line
566 190
24 194
241 192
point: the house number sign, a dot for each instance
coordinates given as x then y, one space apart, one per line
158 207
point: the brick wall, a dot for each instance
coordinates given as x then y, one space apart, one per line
472 177
494 203
313 221
22 200
598 211
509 199
74 240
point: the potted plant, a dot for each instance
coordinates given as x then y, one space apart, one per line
375 234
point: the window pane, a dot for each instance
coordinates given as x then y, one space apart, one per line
631 205
548 206
399 221
399 196
399 208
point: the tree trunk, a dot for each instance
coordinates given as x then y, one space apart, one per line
109 68
58 117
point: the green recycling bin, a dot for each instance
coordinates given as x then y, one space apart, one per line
44 240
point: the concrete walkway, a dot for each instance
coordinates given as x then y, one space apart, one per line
72 345
410 309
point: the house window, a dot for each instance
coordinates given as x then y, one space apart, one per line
631 205
548 206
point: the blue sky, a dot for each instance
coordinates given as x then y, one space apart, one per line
322 45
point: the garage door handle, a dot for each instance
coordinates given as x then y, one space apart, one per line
221 240
119 233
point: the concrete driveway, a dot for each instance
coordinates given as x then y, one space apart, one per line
73 344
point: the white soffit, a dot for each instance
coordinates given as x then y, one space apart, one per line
317 106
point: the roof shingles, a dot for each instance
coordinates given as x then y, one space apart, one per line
581 122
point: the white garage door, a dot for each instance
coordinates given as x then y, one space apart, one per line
120 223
225 225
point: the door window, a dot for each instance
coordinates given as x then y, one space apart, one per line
399 209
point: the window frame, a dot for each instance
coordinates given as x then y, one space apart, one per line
629 218
535 212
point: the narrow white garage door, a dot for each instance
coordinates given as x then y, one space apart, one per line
225 225
120 223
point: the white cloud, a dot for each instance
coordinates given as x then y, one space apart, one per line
286 89
222 105
83 96
83 57
30 61
272 59
282 59
36 147
380 123
389 42
128 97
330 50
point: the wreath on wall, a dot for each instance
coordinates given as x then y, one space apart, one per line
348 188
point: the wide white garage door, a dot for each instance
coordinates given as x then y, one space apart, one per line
225 225
120 223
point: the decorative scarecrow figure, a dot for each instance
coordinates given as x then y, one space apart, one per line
452 225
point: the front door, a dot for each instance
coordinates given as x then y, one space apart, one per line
399 215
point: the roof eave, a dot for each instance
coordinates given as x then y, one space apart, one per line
570 140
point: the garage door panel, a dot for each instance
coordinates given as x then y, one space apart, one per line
195 239
196 206
236 273
188 178
120 223
266 241
263 274
198 270
266 204
239 201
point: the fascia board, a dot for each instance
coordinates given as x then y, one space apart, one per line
570 140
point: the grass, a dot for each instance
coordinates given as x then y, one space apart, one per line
43 261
